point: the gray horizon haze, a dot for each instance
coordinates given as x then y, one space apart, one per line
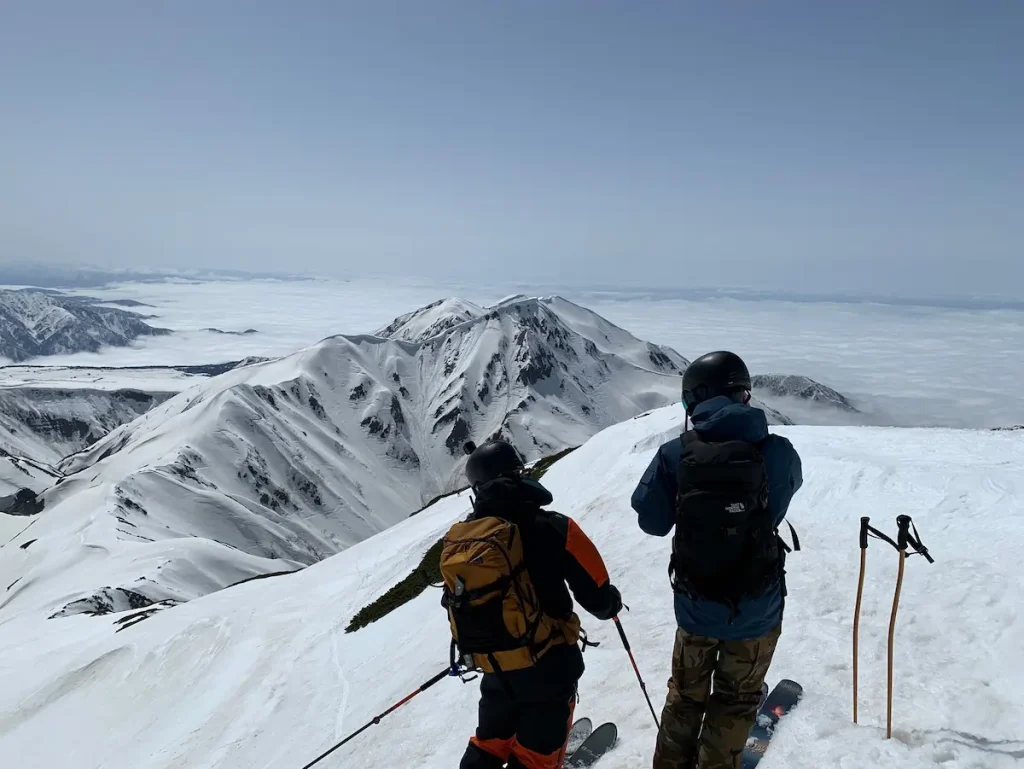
870 147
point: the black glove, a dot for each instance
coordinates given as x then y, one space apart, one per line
615 603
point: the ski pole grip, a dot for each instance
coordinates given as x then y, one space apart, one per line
443 674
864 532
903 537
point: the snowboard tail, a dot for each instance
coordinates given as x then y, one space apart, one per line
782 699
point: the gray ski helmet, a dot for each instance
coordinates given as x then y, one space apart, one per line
494 459
716 373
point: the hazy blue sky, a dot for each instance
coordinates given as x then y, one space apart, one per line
866 146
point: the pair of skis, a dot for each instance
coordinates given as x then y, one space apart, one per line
586 744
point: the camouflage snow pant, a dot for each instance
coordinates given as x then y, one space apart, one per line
738 669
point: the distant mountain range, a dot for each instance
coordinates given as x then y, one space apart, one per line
192 478
37 323
72 277
275 465
50 412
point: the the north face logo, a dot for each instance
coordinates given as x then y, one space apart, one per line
736 507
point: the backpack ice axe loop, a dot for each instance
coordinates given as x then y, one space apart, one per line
458 666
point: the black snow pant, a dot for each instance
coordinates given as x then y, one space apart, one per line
525 715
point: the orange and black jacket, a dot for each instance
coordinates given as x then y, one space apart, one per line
555 549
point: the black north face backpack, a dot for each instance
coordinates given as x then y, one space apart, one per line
726 547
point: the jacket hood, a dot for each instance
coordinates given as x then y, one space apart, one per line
509 497
723 419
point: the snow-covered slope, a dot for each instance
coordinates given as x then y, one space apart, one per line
263 675
11 526
49 423
36 323
431 320
49 412
279 464
16 474
20 472
168 379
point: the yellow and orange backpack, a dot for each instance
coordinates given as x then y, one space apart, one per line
496 619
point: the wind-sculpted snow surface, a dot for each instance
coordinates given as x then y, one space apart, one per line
34 323
277 465
263 674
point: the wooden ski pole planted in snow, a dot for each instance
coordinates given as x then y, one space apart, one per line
904 538
856 612
903 522
865 532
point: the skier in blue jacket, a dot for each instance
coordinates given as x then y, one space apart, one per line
729 641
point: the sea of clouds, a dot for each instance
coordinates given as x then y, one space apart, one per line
902 364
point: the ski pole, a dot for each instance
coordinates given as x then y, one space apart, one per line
856 612
904 538
902 522
866 531
443 674
643 686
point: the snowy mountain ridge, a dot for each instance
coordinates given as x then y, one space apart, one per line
276 465
431 320
264 675
39 403
50 423
35 323
805 388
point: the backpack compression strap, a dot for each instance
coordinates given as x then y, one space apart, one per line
498 586
796 539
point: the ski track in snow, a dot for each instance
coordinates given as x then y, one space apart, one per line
262 675
13 525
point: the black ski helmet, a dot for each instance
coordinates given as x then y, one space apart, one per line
716 373
494 459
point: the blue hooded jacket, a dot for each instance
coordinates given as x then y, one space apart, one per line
720 419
